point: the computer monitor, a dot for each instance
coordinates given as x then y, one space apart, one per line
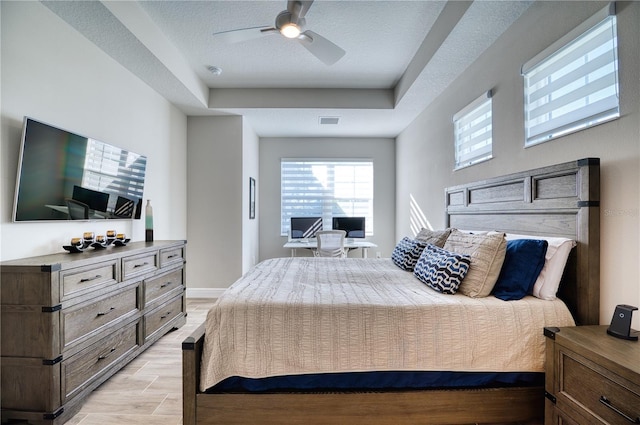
354 226
94 199
305 227
124 207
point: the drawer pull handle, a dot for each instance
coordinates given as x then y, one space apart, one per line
166 315
607 403
89 279
165 285
104 356
135 266
104 313
169 257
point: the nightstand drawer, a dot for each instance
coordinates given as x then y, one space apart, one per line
605 397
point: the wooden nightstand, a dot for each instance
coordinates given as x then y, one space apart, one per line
591 377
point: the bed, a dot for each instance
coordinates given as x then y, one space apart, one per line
555 201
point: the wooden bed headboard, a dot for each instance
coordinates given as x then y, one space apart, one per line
560 200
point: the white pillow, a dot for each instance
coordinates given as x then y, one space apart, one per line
546 286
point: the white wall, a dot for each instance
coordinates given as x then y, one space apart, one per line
215 194
250 168
425 149
53 74
381 151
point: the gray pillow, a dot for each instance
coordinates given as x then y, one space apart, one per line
487 255
433 237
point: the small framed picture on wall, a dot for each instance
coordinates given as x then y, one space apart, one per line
252 198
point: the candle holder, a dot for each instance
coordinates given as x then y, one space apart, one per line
100 243
121 240
77 245
90 239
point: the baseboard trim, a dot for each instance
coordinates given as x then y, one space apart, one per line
204 292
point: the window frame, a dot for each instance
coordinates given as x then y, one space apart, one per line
327 203
465 120
593 111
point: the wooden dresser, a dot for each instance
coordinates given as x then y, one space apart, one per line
70 321
591 377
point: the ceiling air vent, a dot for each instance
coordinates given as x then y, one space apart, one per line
329 120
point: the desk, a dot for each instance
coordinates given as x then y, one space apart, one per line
93 214
348 244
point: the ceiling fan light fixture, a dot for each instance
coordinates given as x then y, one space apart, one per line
290 30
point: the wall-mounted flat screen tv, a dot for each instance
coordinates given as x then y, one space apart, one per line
61 173
354 226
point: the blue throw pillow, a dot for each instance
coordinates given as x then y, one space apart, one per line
523 262
442 270
406 253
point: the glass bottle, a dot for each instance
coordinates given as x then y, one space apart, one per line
148 222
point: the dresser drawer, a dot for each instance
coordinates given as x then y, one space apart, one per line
139 264
157 318
82 320
169 256
156 287
85 279
596 391
80 369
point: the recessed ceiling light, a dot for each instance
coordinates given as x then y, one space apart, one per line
328 120
215 70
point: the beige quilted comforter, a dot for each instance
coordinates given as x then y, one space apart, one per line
291 316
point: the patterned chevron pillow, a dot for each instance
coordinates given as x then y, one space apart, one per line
405 255
442 270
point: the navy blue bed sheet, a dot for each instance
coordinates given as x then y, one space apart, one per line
378 381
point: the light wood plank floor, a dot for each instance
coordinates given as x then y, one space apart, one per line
148 390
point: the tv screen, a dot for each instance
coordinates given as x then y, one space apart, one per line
354 226
305 227
56 165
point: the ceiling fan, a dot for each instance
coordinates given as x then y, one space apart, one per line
290 23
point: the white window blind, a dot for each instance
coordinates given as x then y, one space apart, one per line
473 132
327 189
575 86
113 170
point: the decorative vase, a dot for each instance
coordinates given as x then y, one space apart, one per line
148 222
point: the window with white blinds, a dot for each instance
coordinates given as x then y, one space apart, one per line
113 170
473 132
575 85
327 189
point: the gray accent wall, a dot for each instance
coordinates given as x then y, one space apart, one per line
425 156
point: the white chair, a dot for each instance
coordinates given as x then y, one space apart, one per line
331 243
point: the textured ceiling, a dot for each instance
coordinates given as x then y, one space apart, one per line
400 55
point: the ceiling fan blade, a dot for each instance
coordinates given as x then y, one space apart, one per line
320 47
299 8
244 34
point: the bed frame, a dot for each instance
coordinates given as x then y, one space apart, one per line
560 200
